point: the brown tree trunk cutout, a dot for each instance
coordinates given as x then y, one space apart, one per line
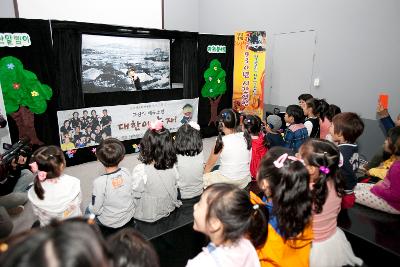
25 121
214 110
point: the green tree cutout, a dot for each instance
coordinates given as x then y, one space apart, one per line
214 87
23 95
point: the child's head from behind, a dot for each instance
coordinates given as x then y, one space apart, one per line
226 214
284 179
110 152
252 124
321 158
129 248
274 122
392 142
311 107
156 147
71 243
188 140
294 114
228 118
48 162
346 127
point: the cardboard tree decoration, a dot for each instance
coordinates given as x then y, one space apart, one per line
214 87
23 95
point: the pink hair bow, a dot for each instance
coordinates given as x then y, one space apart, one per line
324 169
279 162
156 125
41 174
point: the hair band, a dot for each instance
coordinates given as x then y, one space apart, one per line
324 169
281 160
156 125
255 206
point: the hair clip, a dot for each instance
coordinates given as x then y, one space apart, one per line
255 206
324 169
194 125
156 125
42 175
279 162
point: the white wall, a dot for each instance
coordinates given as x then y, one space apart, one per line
136 13
7 9
181 15
357 51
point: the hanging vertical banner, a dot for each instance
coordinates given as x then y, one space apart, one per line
249 72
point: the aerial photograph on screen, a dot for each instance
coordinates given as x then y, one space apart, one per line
112 63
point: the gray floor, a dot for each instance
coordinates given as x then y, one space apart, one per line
87 172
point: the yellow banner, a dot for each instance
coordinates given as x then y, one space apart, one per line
249 72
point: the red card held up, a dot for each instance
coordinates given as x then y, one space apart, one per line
384 100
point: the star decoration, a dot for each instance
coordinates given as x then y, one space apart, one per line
218 81
215 68
34 93
211 90
70 153
210 79
136 147
16 86
10 66
94 150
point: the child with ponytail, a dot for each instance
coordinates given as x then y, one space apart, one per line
233 150
54 194
252 129
284 181
234 225
330 246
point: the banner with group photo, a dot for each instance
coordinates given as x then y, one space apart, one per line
249 72
88 126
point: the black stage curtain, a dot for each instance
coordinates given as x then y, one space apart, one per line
67 45
204 63
190 72
38 58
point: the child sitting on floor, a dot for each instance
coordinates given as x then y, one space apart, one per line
113 195
156 178
385 195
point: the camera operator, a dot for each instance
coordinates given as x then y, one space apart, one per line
15 180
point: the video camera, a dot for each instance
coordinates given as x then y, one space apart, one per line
21 148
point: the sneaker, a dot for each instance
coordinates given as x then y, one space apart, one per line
16 210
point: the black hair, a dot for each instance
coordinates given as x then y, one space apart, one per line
323 153
253 125
333 111
304 97
105 110
65 122
92 111
51 160
394 140
188 141
231 120
157 146
349 124
85 111
130 249
75 112
110 152
322 109
72 243
290 192
232 206
313 103
296 112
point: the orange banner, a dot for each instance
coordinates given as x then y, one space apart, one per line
249 72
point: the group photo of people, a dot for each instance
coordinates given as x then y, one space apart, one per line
83 130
